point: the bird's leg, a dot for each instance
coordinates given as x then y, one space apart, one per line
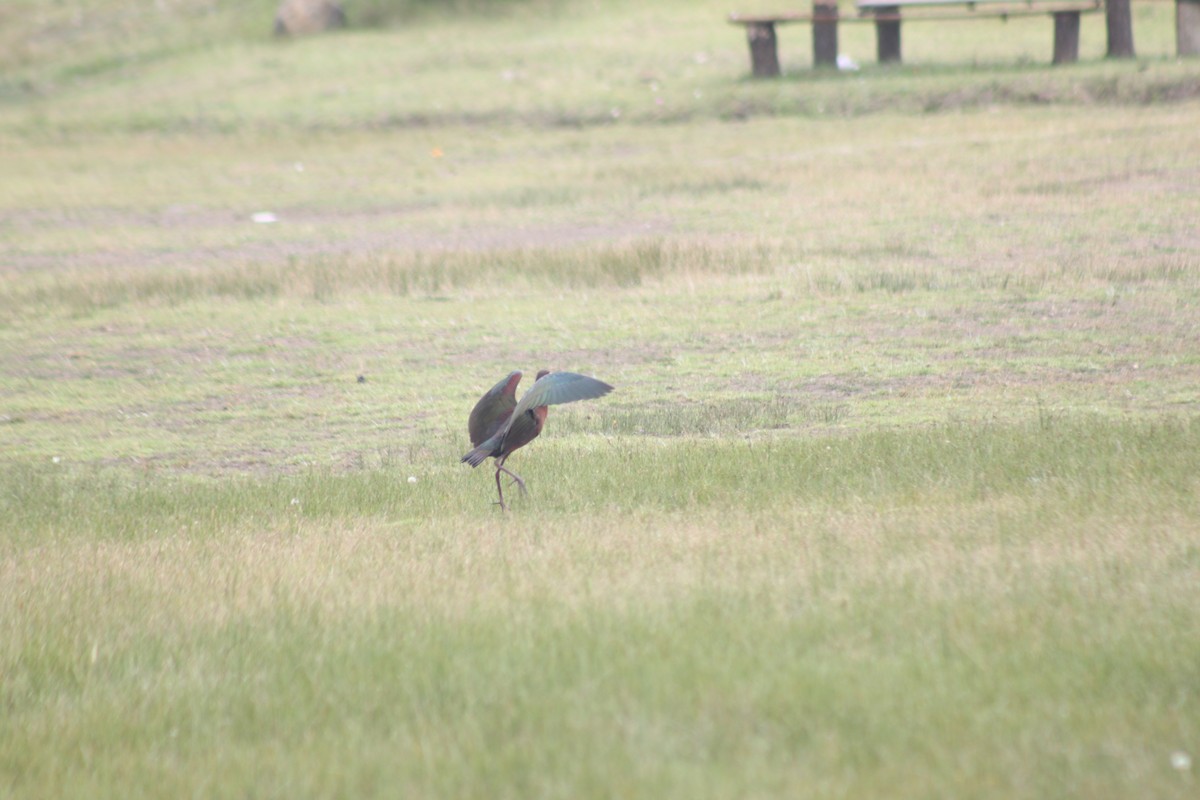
499 490
515 479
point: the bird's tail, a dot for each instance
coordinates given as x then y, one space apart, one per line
477 456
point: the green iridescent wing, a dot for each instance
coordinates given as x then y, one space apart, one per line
493 409
561 387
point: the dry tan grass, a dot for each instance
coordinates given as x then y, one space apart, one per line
457 567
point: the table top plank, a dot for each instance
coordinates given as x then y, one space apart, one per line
873 4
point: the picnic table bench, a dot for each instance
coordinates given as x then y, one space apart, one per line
886 16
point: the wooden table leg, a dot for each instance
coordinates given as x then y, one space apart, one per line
1066 37
764 57
1187 27
825 33
887 35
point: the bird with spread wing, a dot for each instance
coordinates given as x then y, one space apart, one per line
499 424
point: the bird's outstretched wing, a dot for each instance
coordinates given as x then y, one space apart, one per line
493 409
561 387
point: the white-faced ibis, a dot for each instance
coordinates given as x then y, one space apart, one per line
499 425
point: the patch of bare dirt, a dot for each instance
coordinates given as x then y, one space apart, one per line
343 240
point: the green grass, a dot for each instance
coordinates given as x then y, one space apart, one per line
960 610
539 65
896 495
1086 461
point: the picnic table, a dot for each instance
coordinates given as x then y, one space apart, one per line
887 16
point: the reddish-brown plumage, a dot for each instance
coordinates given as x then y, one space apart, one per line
493 410
523 431
504 434
510 425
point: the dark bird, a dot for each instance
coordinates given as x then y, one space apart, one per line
494 408
499 425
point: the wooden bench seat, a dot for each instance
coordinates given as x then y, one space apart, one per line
760 35
887 15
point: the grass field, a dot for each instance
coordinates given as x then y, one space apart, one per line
898 494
